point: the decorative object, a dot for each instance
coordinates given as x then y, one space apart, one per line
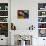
41 13
42 32
6 7
0 7
13 27
31 27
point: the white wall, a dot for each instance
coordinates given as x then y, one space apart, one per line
32 6
24 24
21 24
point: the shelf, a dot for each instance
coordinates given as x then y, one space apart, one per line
3 10
3 22
42 16
41 22
3 16
41 10
41 28
42 19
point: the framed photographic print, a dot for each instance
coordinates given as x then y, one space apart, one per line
23 14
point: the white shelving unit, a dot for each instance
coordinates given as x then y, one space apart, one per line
41 28
4 20
41 22
42 18
41 10
4 14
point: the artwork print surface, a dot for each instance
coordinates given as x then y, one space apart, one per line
23 14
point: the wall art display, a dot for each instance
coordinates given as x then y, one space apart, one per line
23 14
42 33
